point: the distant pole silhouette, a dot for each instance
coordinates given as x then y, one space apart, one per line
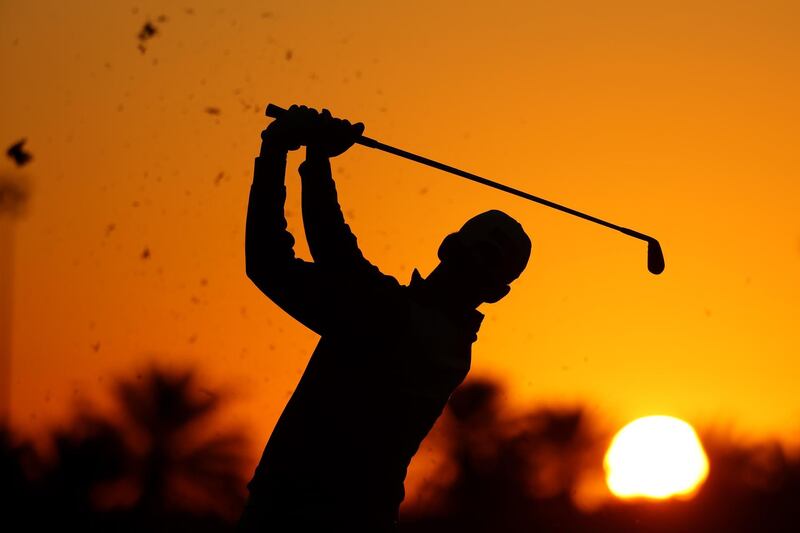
13 198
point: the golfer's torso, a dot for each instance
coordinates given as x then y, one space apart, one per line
366 401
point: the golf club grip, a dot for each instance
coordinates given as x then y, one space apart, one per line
274 111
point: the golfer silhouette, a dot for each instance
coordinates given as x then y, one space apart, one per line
389 356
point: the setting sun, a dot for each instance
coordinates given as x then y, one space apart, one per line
655 457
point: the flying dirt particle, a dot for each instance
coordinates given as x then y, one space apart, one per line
213 110
135 203
161 18
289 55
146 253
219 177
195 300
189 11
96 346
266 14
707 312
423 191
147 32
17 152
193 339
110 228
204 282
351 214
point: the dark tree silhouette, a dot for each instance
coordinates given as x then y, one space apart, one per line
178 461
160 463
518 473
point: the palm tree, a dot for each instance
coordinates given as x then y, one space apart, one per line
180 462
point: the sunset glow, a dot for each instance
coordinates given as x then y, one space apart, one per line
655 457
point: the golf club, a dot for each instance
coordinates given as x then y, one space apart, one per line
655 257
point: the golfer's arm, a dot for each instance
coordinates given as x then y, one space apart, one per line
293 284
330 240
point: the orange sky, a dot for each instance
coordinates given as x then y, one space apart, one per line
678 119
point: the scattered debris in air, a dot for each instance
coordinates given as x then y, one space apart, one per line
289 55
213 110
146 253
109 228
219 178
96 346
17 152
147 32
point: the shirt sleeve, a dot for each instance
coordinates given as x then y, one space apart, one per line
330 240
298 287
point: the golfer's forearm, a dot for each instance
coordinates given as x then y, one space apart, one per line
329 237
268 245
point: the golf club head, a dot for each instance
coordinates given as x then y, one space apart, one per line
655 257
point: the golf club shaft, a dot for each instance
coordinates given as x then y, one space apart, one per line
274 111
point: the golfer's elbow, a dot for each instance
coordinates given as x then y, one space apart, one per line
257 269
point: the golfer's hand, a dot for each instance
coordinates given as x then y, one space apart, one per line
332 136
290 131
324 135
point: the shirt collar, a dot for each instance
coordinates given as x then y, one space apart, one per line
470 318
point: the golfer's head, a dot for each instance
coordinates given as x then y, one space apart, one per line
492 250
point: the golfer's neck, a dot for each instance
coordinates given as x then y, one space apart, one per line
449 289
